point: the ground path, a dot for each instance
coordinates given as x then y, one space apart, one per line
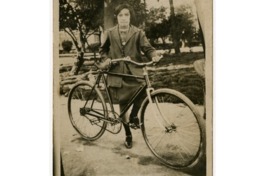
107 155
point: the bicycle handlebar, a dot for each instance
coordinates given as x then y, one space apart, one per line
128 59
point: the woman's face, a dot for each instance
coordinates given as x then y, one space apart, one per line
123 18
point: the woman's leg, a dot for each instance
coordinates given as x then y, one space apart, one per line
133 119
134 110
128 141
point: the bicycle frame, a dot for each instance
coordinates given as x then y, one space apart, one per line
136 94
147 87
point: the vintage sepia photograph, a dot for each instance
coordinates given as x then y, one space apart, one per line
132 87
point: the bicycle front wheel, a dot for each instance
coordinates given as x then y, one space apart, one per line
86 108
172 129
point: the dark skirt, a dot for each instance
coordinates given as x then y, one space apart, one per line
122 95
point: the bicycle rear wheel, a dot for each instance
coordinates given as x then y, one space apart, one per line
86 109
172 129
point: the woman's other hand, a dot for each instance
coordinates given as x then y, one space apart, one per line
156 58
105 64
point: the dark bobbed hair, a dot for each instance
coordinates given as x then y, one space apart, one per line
125 6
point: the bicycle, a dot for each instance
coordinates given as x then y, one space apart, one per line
170 124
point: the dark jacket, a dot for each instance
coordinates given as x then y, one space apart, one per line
112 48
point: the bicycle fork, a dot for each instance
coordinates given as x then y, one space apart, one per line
158 114
155 108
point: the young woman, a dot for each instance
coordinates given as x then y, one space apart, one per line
120 41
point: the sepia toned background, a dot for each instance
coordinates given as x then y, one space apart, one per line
180 38
237 115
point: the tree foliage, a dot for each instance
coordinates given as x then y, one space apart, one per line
85 16
184 24
179 26
139 9
67 45
156 15
157 25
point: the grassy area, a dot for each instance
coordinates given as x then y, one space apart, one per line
184 80
183 58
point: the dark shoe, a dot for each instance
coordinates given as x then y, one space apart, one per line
128 142
134 123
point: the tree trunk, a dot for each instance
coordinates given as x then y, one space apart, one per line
176 45
163 40
108 15
79 60
171 8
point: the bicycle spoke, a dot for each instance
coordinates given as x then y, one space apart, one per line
187 139
157 141
182 144
189 125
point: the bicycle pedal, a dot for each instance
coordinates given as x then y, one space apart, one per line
135 127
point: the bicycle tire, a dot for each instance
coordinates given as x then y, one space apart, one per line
88 126
174 146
